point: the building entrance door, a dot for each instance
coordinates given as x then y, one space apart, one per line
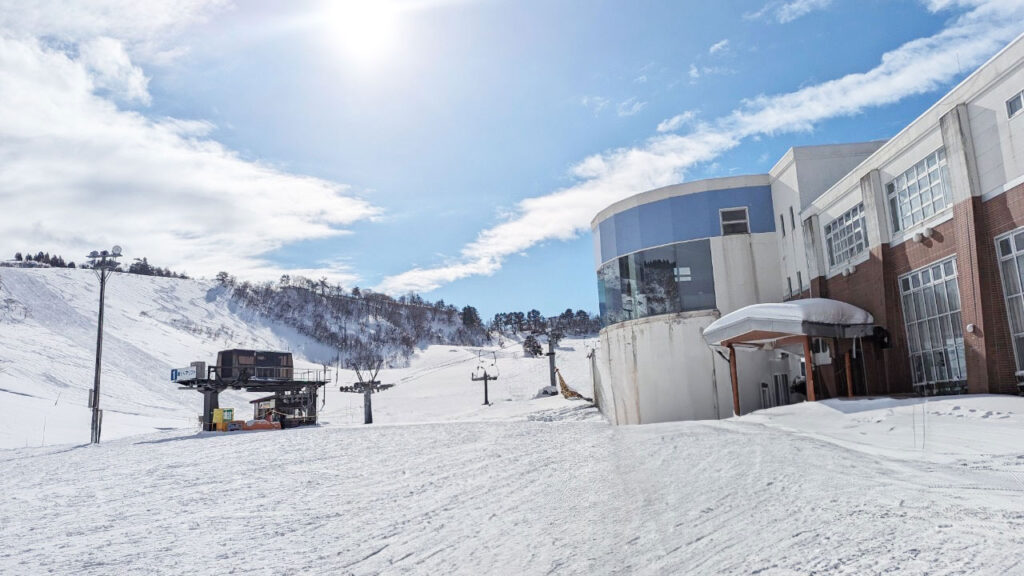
780 382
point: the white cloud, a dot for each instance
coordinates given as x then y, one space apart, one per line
676 122
145 27
113 71
718 46
641 79
694 72
79 173
792 10
595 103
630 106
917 67
785 12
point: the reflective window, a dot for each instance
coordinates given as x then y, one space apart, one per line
1010 249
664 280
920 192
845 237
930 299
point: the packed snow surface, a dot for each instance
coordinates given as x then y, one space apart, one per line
441 484
836 487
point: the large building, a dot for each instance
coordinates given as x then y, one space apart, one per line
924 231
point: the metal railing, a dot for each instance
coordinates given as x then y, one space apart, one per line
269 373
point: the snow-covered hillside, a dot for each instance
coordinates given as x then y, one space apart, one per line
442 484
837 487
47 356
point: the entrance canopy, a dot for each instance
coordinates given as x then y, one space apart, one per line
779 324
768 326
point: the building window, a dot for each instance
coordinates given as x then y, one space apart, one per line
782 225
846 236
792 218
1010 249
734 221
663 280
1015 104
930 299
789 286
920 192
799 282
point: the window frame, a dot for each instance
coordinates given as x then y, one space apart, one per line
722 223
924 325
900 192
842 232
1014 259
1019 97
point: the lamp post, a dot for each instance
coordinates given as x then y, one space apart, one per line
103 264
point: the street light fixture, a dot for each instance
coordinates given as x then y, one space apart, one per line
104 263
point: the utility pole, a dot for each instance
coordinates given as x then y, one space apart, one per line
551 361
103 264
485 378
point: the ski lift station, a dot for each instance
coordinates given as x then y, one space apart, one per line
871 268
292 399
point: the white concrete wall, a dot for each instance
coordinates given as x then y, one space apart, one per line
785 194
800 176
659 369
745 268
998 139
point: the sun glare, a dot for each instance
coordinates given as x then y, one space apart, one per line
365 31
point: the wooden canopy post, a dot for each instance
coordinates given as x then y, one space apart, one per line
809 365
849 376
735 380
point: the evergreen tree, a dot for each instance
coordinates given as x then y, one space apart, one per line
470 317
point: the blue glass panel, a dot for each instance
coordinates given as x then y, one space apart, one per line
655 225
682 218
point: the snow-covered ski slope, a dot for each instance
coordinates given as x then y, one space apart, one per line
837 487
441 484
48 343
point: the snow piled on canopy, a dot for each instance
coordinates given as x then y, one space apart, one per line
813 310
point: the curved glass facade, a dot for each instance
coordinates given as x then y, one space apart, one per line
663 280
680 219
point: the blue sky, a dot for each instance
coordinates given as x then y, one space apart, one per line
456 148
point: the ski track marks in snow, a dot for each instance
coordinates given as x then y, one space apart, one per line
512 497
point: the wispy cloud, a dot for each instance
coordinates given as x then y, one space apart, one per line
719 46
919 66
630 106
695 73
80 172
595 103
785 12
676 122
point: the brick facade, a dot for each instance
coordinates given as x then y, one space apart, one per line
970 236
998 216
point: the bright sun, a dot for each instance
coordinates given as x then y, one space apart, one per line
366 31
